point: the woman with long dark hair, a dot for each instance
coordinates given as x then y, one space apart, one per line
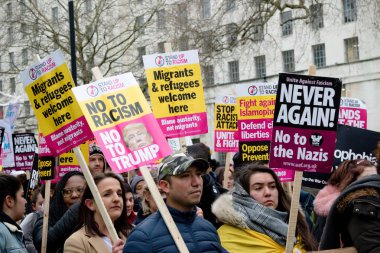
93 235
255 214
12 209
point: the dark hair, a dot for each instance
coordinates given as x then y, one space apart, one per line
199 150
86 216
9 186
302 229
127 187
237 159
348 172
34 198
57 205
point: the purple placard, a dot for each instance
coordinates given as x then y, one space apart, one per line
305 123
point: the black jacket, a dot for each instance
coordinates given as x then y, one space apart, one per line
354 219
58 232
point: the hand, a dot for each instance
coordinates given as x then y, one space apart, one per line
199 212
118 246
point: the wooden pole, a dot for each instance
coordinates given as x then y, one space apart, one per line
226 169
45 223
291 236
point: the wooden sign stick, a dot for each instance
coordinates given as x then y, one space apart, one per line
293 213
95 193
45 223
156 195
226 169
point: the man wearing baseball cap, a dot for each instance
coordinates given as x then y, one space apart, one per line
180 178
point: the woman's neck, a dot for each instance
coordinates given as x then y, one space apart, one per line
102 226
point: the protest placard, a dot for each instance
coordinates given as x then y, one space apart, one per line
255 105
122 122
353 112
33 181
24 146
225 124
48 84
7 146
305 123
176 93
352 143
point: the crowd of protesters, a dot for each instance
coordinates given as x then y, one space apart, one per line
250 215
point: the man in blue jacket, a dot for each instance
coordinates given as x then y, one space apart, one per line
180 177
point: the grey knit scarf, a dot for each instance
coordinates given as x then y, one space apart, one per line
260 218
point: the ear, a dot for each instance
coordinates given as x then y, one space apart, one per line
90 204
9 201
164 186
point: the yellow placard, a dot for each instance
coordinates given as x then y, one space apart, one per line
70 159
257 107
52 99
225 117
113 108
176 90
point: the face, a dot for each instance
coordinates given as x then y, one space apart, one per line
230 180
18 209
73 190
136 138
38 205
185 190
262 188
152 204
130 202
96 164
111 193
140 188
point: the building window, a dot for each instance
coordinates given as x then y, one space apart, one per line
12 64
1 85
22 6
233 70
351 46
207 42
205 9
182 15
258 32
288 60
161 23
24 55
349 11
27 108
183 44
1 64
23 30
13 85
260 66
9 10
287 23
316 15
232 33
141 52
319 55
208 75
230 4
10 35
1 112
89 6
161 47
140 24
54 14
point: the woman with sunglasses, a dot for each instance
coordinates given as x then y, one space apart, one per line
63 213
354 213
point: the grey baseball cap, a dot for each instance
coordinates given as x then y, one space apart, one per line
177 163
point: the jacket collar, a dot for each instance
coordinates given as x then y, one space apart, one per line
183 217
7 220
